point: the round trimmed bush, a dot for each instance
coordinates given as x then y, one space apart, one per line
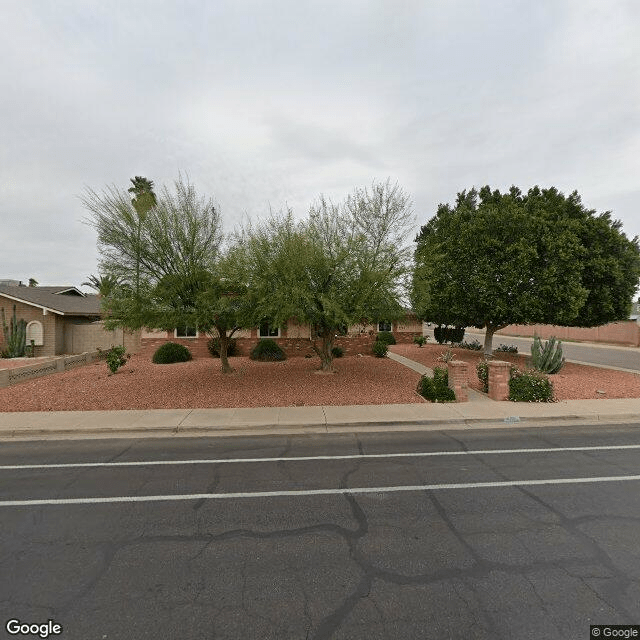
171 352
386 336
337 352
380 349
213 345
267 351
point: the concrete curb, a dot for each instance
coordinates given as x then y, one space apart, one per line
22 434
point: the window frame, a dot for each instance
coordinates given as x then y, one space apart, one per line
269 335
385 323
186 327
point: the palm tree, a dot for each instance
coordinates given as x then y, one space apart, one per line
143 201
104 285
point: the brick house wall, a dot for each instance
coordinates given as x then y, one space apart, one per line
294 339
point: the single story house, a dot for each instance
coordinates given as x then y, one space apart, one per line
60 320
294 338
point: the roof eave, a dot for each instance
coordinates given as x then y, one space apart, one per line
31 304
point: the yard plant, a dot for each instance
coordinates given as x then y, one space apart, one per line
15 336
530 386
171 352
436 388
493 259
547 357
267 350
116 357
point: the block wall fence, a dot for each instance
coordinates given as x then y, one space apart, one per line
624 333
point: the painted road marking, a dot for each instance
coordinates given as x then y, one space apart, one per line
314 492
363 456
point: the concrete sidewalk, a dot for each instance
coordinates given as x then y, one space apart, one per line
289 420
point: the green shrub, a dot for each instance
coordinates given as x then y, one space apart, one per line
420 340
436 389
530 386
337 352
213 345
547 358
472 345
386 336
267 350
115 357
380 349
171 352
482 370
448 334
506 348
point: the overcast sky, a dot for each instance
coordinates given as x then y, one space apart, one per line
272 103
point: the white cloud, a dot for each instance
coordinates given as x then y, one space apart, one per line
265 107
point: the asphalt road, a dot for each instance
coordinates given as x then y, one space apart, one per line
606 355
509 533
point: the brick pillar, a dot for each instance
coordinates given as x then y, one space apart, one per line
459 379
499 373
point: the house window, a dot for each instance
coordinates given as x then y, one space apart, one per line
34 332
384 326
185 331
268 331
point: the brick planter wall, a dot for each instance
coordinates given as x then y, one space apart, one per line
499 373
459 379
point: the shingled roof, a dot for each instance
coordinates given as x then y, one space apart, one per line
63 300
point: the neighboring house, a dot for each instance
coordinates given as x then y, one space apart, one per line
60 320
295 339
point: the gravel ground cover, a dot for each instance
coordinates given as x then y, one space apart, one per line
572 382
140 384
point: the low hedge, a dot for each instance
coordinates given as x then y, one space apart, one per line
171 352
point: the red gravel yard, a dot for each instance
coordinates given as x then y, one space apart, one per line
141 384
572 382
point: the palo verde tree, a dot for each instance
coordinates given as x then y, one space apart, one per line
342 265
176 273
494 259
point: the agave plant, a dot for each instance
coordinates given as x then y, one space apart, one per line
547 357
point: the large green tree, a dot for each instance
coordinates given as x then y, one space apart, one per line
171 270
342 265
494 259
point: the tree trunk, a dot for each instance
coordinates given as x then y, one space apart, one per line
324 352
488 340
490 329
224 346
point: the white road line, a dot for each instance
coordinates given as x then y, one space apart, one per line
313 492
364 456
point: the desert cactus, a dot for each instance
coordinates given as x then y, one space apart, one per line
547 358
15 335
